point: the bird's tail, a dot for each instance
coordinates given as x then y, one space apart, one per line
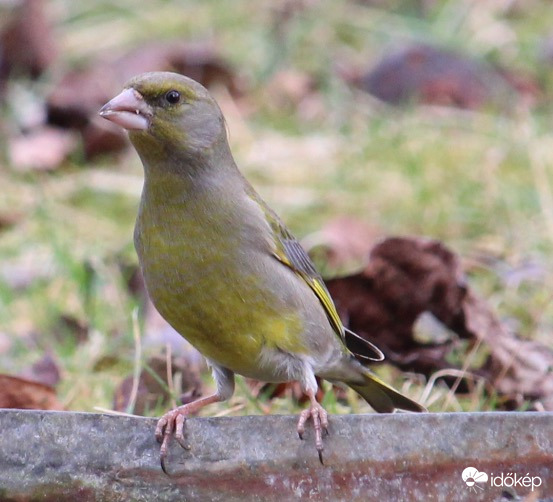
382 397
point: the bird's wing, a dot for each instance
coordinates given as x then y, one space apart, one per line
290 252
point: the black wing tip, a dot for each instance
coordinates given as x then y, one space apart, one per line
378 354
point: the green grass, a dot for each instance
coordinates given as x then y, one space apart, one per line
480 182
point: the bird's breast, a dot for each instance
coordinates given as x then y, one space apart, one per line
210 282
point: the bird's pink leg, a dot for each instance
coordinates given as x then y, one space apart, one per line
173 422
320 422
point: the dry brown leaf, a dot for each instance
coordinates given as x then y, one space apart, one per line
431 75
406 277
403 278
518 369
20 393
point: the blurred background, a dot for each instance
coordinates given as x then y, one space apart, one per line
357 121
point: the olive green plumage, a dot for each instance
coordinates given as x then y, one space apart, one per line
219 264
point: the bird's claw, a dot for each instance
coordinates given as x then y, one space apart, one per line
171 422
319 416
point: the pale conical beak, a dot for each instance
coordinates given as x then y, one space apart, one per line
129 110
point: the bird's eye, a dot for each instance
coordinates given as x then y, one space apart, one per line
172 97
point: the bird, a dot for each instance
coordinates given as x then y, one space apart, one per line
223 269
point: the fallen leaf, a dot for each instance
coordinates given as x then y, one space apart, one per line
518 369
27 41
16 392
43 149
406 278
431 75
403 278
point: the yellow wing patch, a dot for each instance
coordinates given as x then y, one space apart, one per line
322 294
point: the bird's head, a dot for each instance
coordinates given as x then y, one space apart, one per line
167 114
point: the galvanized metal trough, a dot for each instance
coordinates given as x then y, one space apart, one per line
59 456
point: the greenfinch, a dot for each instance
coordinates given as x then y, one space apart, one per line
223 269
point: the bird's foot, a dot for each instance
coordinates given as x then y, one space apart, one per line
319 416
172 424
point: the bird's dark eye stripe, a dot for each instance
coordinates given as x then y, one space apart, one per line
173 97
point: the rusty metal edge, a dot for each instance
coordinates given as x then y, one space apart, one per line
85 456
